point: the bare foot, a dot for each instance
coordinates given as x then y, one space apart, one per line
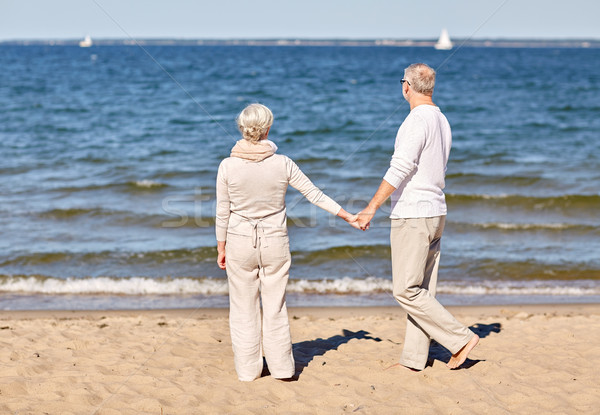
459 358
403 367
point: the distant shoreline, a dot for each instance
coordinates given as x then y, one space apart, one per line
488 43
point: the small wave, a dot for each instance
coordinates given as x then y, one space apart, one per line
525 226
320 130
490 269
573 201
131 186
115 286
136 286
74 212
302 133
345 253
184 255
537 124
571 108
69 110
129 218
115 257
474 178
147 184
345 285
564 108
318 159
181 121
523 288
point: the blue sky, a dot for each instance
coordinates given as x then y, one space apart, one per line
68 19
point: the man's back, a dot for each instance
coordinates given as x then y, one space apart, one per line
421 154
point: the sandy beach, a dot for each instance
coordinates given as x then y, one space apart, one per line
531 360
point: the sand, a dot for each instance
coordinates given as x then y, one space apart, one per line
531 360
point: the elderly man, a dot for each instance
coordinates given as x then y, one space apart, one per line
415 180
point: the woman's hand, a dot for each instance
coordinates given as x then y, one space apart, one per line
353 221
221 254
364 218
350 218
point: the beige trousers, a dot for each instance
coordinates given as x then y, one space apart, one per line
258 268
415 260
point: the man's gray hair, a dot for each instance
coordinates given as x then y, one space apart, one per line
421 77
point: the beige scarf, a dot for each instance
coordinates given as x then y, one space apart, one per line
244 149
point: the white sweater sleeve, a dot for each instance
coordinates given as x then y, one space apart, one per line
410 142
302 183
223 208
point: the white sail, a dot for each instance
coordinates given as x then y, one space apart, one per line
86 43
444 42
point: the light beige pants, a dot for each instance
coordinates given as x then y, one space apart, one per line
415 260
258 268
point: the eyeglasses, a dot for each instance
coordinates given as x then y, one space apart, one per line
402 81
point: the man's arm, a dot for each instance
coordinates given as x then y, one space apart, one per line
364 217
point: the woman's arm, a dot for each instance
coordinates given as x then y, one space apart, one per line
222 215
223 208
299 181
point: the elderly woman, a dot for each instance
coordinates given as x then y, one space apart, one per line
253 244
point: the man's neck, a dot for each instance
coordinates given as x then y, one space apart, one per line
419 99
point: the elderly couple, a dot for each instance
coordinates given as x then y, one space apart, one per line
253 245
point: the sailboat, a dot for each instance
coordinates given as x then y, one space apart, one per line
86 43
444 42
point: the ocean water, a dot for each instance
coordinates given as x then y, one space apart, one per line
110 153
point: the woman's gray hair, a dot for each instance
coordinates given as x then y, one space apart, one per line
421 77
254 122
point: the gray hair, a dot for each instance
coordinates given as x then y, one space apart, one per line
254 122
421 77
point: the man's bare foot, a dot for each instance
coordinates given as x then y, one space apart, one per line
459 358
402 367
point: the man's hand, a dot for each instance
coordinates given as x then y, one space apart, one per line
353 221
350 218
221 254
364 218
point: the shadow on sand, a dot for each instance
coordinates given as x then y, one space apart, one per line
438 352
305 352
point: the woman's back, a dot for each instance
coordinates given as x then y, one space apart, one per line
249 191
256 189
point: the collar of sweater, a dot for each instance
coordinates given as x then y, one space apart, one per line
246 150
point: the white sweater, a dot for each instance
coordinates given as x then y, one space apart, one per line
418 167
251 193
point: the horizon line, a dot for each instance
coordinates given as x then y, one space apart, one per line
314 42
289 38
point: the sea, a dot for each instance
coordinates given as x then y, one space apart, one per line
109 154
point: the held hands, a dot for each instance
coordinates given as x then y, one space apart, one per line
350 218
356 221
353 221
364 218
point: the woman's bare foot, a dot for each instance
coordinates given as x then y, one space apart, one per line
459 358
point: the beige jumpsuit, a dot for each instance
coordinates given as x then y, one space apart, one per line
251 218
